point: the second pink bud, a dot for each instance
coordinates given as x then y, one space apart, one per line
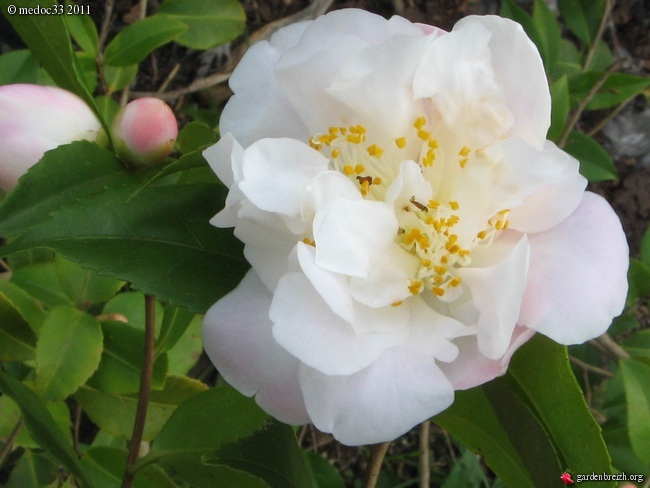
144 132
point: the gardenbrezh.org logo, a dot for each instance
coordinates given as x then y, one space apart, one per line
568 478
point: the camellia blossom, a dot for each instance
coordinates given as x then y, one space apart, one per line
407 223
145 131
35 119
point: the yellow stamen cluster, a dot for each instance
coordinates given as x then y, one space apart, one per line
428 157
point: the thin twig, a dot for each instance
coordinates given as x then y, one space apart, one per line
591 368
601 125
610 345
75 428
169 78
377 455
609 5
103 33
142 13
145 389
6 449
197 85
425 466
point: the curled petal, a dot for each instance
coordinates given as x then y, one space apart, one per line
578 274
237 338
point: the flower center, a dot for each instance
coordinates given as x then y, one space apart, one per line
426 228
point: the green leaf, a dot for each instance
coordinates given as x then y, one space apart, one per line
618 88
569 61
121 361
467 471
108 108
106 465
636 378
131 305
638 276
187 351
175 322
595 163
28 307
67 173
88 69
18 67
638 344
116 413
582 17
211 22
83 286
323 474
17 339
67 353
48 39
11 414
272 454
203 424
644 251
602 58
511 10
119 77
560 108
186 162
83 31
549 34
42 426
194 136
41 282
135 42
130 238
531 424
32 471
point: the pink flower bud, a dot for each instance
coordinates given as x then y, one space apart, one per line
35 119
144 132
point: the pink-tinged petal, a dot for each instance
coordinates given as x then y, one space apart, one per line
276 171
237 338
519 70
471 368
308 328
577 280
35 119
259 109
398 391
351 235
497 288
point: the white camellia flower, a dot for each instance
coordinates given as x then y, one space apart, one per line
407 223
35 119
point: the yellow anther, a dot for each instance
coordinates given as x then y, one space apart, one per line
424 241
438 279
397 303
453 220
452 249
455 282
355 138
325 139
426 263
452 239
309 242
423 134
400 142
499 225
358 169
438 291
412 236
433 144
365 185
506 224
463 252
375 150
343 130
348 170
454 205
335 153
419 122
482 235
444 259
464 151
433 204
440 270
415 286
504 211
334 131
376 180
462 162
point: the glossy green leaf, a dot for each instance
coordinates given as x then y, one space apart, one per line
636 378
121 362
42 282
42 426
83 31
64 175
582 17
618 88
116 413
32 471
17 339
108 108
88 69
569 61
67 353
602 58
18 67
85 287
191 160
272 454
638 276
119 77
194 136
204 423
48 39
28 307
533 423
11 414
175 322
130 238
131 306
188 349
549 34
105 467
638 344
323 474
466 471
595 163
135 42
560 108
211 22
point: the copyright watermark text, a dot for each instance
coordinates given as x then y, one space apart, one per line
49 10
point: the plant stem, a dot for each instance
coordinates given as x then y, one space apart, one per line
6 449
145 389
374 467
609 5
425 468
591 368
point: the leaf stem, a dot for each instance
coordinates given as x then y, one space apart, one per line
609 5
590 368
145 389
374 467
425 467
6 449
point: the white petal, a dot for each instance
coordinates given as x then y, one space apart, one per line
306 327
351 235
497 288
577 280
518 69
380 403
276 172
326 186
237 338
